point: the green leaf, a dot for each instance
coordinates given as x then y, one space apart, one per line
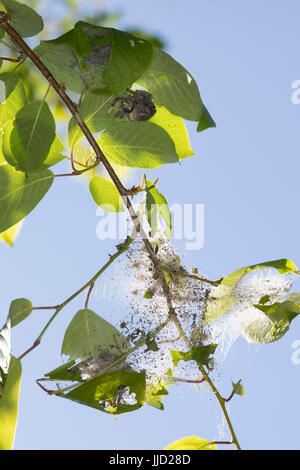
12 99
283 266
156 204
191 443
151 344
155 394
106 195
201 355
276 324
108 392
90 336
222 297
238 388
102 60
155 40
63 64
24 19
10 235
20 194
6 147
129 55
9 399
260 331
137 145
265 299
148 294
93 111
175 127
55 153
31 137
294 297
216 307
19 310
12 96
66 372
172 86
206 121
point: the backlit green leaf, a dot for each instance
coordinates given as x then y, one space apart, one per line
222 297
106 195
294 297
12 96
55 153
191 443
274 326
20 194
155 394
201 355
283 266
116 392
66 372
9 398
175 127
93 111
216 307
156 204
12 99
172 86
10 235
137 145
238 388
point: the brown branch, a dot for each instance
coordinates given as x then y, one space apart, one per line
43 388
189 381
230 397
222 443
88 295
9 59
45 308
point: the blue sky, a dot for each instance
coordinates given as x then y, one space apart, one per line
244 56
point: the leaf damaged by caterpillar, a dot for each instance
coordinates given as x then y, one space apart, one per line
99 55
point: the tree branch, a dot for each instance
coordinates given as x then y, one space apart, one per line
100 157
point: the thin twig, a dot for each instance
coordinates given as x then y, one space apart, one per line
222 443
9 59
189 381
88 295
121 249
194 276
45 308
230 396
